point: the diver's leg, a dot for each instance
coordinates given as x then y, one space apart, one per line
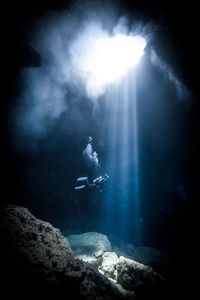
80 187
82 179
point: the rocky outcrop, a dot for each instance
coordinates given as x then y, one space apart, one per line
123 264
141 279
158 259
108 266
38 243
89 246
130 274
36 256
133 275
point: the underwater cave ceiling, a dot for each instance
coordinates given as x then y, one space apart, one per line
178 27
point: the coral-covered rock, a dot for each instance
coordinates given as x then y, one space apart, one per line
36 256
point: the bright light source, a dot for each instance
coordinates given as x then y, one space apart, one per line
104 60
113 57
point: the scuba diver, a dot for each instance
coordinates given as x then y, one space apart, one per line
97 182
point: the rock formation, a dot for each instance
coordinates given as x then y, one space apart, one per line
35 255
89 246
131 277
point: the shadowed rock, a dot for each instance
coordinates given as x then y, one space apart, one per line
158 259
134 279
133 275
36 255
141 279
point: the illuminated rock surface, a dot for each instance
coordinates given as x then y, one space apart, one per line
158 259
108 265
39 259
89 246
129 275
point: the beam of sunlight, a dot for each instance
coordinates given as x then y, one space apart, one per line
121 207
123 157
111 137
136 196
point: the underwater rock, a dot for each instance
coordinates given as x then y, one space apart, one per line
35 256
38 243
128 273
137 277
131 277
108 265
156 258
89 246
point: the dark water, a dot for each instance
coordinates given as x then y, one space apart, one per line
43 179
42 176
